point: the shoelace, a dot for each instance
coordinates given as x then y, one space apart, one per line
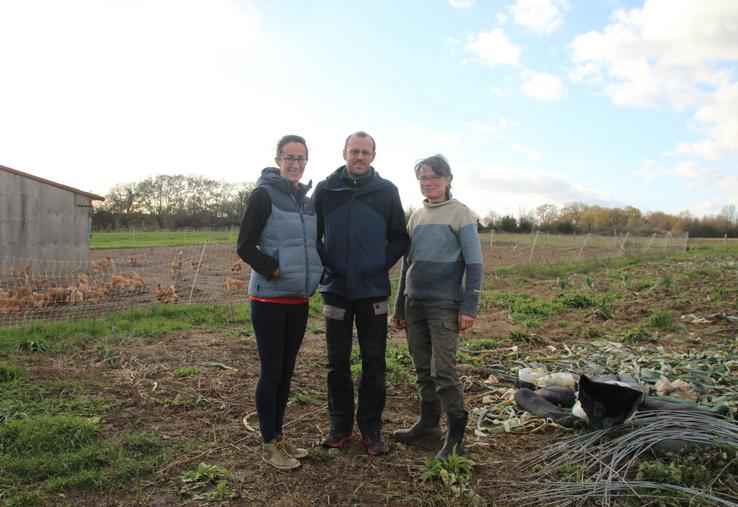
282 449
286 443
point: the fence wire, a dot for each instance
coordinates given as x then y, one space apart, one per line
122 279
115 280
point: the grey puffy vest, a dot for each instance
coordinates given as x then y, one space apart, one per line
289 236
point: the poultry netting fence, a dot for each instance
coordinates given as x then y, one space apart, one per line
122 279
114 280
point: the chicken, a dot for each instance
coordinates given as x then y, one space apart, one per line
105 264
238 266
115 281
234 283
20 277
74 295
95 296
132 261
56 294
134 285
13 304
83 284
176 267
40 300
166 296
195 264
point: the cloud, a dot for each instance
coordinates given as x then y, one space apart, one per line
542 86
484 128
497 91
507 123
676 54
494 48
692 174
540 16
532 154
513 189
461 4
705 148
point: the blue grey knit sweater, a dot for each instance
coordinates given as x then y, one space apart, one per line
445 257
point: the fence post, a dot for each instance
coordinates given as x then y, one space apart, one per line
491 237
686 240
625 239
199 265
586 239
650 242
532 248
666 240
725 239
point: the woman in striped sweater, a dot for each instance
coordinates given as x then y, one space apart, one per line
438 297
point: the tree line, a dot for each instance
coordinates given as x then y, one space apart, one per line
178 201
172 201
582 218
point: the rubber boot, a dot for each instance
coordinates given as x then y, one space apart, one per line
454 436
426 428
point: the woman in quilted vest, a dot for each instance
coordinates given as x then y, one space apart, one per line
278 240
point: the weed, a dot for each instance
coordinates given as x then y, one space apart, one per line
454 472
305 399
8 372
186 371
635 335
207 483
626 278
522 337
602 311
690 470
589 332
31 346
399 365
662 319
667 282
589 283
578 300
524 308
480 344
563 282
641 285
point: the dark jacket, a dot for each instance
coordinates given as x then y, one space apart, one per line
361 234
279 229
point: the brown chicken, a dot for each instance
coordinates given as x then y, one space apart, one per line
166 296
234 283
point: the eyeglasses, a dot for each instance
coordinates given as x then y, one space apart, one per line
356 153
435 177
292 160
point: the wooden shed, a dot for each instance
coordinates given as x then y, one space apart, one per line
42 220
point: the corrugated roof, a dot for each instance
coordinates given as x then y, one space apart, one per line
92 196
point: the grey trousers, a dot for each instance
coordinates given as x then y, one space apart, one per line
432 338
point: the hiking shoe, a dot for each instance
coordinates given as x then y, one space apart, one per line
276 455
292 449
336 438
373 443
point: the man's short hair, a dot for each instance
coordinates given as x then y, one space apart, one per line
360 133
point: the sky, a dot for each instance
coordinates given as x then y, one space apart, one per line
612 102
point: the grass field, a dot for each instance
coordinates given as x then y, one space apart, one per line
142 239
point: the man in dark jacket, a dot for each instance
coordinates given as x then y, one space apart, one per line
361 234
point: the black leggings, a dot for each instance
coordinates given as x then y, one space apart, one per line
279 330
